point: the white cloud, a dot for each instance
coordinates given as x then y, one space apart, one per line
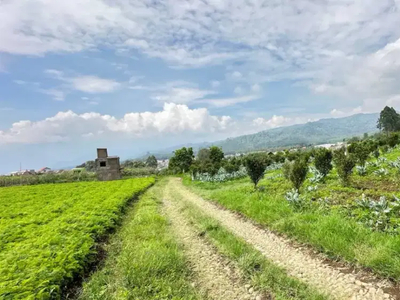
93 84
347 47
64 126
275 121
56 94
224 102
181 95
238 90
256 88
215 83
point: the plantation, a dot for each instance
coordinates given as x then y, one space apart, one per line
354 216
48 233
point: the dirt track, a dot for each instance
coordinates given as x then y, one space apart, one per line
298 263
215 276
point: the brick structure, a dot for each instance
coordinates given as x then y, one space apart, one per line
107 167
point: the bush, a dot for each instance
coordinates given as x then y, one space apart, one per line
323 161
360 152
255 166
286 169
298 173
344 165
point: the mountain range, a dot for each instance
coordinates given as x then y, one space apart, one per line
311 133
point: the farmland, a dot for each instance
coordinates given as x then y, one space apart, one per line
48 233
357 223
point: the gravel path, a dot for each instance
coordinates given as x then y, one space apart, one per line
216 277
310 270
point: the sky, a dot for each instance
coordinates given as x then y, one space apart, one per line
141 75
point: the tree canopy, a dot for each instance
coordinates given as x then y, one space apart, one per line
151 161
389 120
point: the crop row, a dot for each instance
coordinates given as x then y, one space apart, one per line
48 233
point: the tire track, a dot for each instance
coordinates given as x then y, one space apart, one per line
310 270
216 277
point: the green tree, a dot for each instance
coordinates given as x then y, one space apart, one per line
255 166
298 172
182 160
344 165
389 120
151 161
90 166
360 152
323 161
216 155
203 155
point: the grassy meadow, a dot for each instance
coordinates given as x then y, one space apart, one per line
48 233
331 217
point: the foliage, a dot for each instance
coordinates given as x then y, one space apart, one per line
63 177
287 169
376 153
182 160
139 172
389 120
361 170
360 151
378 215
90 166
344 165
48 232
151 161
203 155
132 164
317 176
216 155
255 166
221 176
381 172
295 199
323 161
298 173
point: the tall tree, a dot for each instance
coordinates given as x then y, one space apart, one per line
216 155
182 160
151 161
389 120
203 155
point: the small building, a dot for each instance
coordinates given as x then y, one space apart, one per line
44 170
107 167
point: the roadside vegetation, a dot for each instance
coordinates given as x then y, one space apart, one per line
49 233
144 261
344 202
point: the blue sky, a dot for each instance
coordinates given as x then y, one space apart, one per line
143 75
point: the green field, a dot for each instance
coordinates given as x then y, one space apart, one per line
48 233
331 217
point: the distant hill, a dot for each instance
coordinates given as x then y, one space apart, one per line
319 132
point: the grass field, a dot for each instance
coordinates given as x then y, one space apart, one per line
48 232
144 260
331 220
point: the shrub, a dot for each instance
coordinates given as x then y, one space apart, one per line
286 169
360 152
361 170
295 199
377 153
255 166
323 161
344 165
317 175
298 173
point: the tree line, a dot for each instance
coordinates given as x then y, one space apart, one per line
296 163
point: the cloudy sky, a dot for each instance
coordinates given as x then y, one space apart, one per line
137 75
